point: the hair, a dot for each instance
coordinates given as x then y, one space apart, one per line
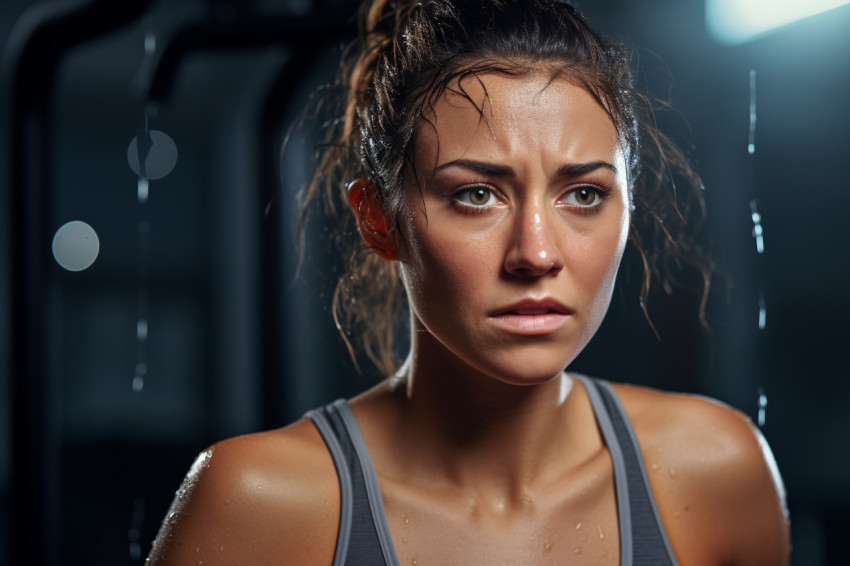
407 55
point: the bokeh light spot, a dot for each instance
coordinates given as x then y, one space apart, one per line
75 246
158 155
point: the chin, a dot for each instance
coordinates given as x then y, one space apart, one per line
527 369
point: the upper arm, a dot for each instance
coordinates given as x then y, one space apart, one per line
752 502
262 499
716 484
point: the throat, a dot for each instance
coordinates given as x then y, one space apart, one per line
493 441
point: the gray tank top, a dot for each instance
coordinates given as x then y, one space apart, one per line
364 536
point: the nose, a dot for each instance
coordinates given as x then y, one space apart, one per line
533 249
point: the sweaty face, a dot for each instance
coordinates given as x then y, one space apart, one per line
511 271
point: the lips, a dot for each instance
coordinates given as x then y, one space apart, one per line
532 307
531 317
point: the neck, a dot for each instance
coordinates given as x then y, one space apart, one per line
493 440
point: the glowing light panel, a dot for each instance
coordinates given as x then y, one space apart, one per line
737 21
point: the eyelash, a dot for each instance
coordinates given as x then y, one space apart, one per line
600 191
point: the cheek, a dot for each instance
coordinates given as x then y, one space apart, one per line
444 270
596 265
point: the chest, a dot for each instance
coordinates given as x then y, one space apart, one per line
575 525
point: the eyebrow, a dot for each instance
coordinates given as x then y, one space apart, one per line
492 170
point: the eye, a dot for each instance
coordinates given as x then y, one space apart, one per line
477 196
585 196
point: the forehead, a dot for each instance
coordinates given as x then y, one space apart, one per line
496 115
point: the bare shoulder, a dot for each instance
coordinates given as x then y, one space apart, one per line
265 498
716 483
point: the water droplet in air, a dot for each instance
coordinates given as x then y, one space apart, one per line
751 145
141 330
150 42
762 406
758 230
142 190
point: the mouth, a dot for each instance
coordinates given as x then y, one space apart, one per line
533 307
532 317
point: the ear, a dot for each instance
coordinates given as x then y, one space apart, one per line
363 200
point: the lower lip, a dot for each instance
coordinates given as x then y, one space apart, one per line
531 324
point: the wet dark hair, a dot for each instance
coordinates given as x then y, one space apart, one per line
407 55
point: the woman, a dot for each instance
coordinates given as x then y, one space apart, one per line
494 146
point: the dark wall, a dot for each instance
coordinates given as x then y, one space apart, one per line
233 345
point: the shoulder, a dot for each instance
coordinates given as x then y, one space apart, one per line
266 498
715 481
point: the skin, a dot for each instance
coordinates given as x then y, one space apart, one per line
478 441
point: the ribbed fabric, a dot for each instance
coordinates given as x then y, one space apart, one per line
364 536
643 540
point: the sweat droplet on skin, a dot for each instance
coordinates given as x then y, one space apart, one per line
599 530
547 546
672 472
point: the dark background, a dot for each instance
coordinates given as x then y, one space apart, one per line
88 465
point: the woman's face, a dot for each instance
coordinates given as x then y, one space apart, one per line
510 261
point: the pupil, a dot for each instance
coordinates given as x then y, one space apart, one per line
585 196
479 196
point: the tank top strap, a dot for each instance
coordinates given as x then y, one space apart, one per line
643 540
364 536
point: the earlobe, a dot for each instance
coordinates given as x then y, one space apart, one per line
363 200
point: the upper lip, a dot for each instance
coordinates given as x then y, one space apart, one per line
533 307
